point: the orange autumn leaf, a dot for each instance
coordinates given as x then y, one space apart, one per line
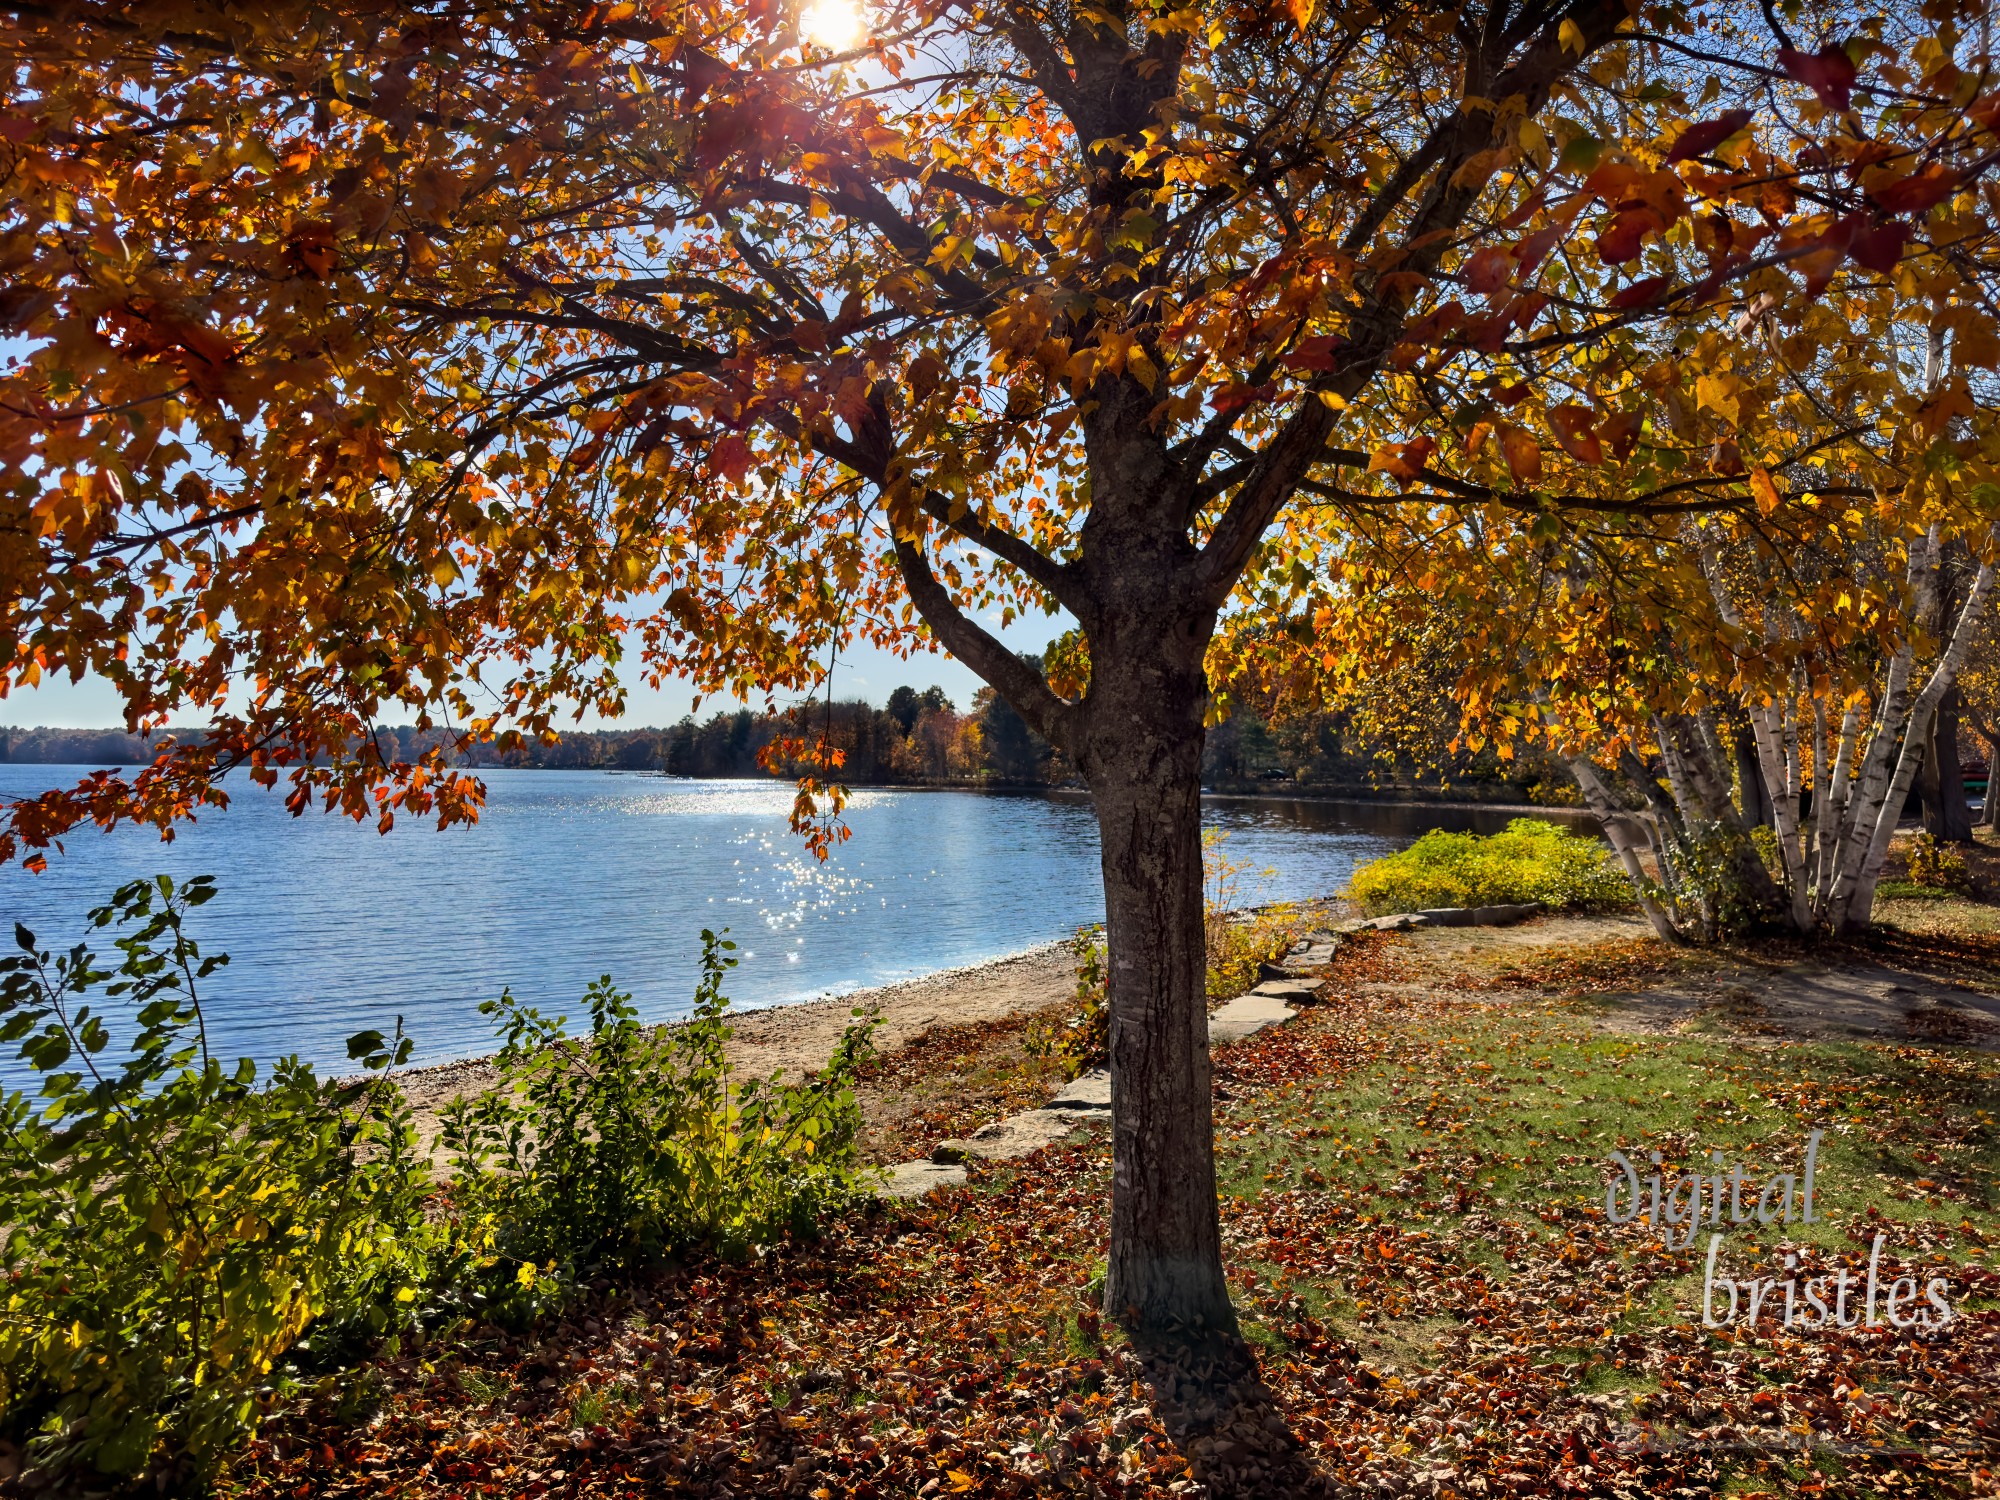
1523 453
1403 462
1572 426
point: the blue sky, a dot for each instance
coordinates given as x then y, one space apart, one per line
866 673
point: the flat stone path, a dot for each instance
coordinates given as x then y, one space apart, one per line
1086 1100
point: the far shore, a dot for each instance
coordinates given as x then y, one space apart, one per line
1408 797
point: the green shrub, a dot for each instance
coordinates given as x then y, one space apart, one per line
1080 1040
171 1226
180 1240
635 1141
1529 861
1937 866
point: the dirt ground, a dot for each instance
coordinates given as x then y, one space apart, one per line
1927 973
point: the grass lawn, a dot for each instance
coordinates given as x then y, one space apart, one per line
1413 1198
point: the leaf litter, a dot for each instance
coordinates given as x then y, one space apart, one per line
1412 1178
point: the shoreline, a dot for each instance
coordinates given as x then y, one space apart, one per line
797 1036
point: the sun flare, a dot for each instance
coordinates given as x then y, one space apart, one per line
834 24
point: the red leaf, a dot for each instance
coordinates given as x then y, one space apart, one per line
1525 308
1642 293
1621 432
1818 265
1700 140
731 458
1316 352
1438 324
1918 193
1488 270
1829 73
1236 397
1534 248
1879 247
1626 236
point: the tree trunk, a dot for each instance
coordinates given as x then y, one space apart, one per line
1165 1280
1944 780
1751 791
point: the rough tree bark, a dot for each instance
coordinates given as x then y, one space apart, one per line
1941 783
1138 744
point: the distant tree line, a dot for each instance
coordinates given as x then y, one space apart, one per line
921 738
918 738
1338 751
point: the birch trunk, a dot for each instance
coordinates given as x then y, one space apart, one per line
1861 899
1618 825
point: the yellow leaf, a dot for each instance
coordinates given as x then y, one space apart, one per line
1141 368
1718 394
1975 343
1571 36
960 1480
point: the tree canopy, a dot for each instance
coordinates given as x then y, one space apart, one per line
411 356
417 354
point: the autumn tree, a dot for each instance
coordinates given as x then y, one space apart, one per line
419 356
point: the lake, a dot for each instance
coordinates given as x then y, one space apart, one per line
332 927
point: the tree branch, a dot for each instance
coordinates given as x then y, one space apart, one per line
1373 331
1020 684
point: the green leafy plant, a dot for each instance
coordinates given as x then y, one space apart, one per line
1937 866
172 1226
1080 1040
634 1141
1238 940
1529 861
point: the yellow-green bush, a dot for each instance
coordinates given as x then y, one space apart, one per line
1080 1040
1937 866
1238 940
1530 861
181 1241
172 1226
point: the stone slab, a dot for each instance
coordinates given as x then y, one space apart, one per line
1086 1100
1401 921
1090 1092
914 1179
1017 1135
1245 1016
1291 991
1448 916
